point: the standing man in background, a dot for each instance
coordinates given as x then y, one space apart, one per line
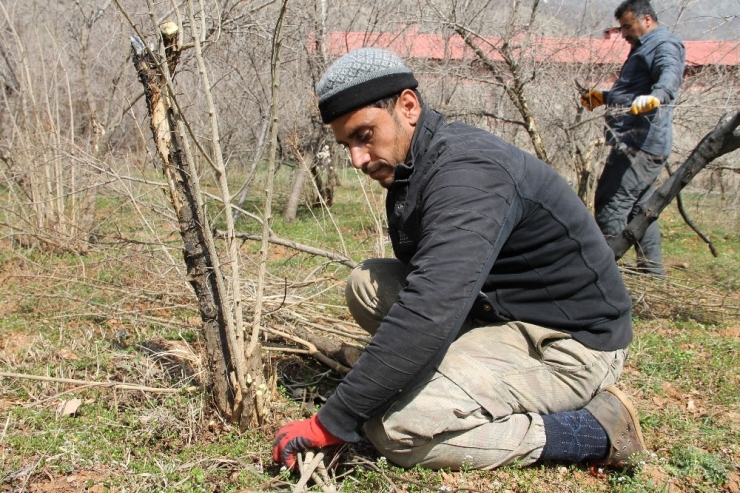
641 136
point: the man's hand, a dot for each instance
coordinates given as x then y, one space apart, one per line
299 436
592 99
642 104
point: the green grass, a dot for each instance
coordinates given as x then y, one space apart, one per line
61 316
717 219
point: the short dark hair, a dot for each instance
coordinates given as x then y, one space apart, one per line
390 102
639 8
386 103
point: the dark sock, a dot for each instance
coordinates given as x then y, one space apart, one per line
573 436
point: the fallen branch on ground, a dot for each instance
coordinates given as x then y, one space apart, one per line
275 240
312 349
114 385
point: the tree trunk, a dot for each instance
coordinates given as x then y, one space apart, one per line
583 165
332 181
223 351
324 187
296 192
317 174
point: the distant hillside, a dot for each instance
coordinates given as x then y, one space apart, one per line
689 19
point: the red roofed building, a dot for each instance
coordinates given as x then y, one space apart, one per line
609 50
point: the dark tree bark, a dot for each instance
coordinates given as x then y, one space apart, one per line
723 139
222 355
341 352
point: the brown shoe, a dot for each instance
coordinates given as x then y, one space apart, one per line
614 411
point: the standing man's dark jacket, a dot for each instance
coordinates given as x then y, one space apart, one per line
482 223
654 67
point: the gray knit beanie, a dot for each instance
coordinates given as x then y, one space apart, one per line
359 78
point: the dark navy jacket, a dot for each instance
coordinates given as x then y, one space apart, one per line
654 67
487 228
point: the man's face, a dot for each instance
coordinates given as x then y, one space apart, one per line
377 140
633 28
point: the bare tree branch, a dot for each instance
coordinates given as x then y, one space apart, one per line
722 140
688 221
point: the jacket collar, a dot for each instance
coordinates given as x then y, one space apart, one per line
653 33
426 127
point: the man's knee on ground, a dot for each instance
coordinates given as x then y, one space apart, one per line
401 452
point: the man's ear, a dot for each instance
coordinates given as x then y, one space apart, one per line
409 106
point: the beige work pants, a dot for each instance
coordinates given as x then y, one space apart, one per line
481 408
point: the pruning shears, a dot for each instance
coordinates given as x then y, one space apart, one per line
582 91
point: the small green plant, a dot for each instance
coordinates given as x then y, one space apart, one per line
703 470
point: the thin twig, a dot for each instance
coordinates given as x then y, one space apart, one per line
305 322
326 483
57 396
687 219
310 463
5 428
114 385
274 239
285 349
217 163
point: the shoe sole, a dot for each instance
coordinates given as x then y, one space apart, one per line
622 397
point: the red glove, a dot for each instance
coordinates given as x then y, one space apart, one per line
299 436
